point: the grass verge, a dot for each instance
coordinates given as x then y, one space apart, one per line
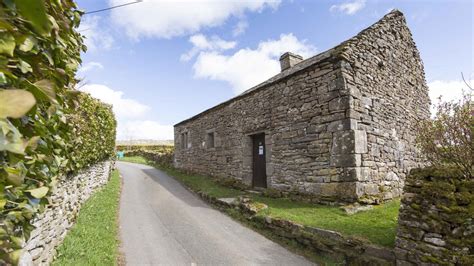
134 159
93 240
377 226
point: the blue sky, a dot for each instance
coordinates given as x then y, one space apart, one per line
161 62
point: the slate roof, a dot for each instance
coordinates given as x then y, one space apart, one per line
335 54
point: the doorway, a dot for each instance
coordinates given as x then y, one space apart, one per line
259 175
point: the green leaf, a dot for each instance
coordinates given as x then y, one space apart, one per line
7 43
10 138
14 177
15 256
39 192
25 67
47 87
15 147
3 79
33 142
49 57
28 44
54 24
18 241
34 12
15 103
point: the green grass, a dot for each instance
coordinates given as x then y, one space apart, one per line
134 159
205 184
93 240
377 226
195 182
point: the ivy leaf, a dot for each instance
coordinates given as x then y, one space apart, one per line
33 142
14 177
7 43
49 57
3 79
34 12
39 192
15 256
10 138
18 241
54 24
25 67
47 86
28 44
72 94
15 103
17 147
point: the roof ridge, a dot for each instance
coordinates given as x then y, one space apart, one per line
334 52
394 13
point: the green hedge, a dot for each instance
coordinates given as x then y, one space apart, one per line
163 158
157 148
94 125
47 129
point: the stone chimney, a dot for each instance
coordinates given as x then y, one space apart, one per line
288 60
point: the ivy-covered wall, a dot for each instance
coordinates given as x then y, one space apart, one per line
47 128
436 220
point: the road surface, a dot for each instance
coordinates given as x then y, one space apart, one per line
161 223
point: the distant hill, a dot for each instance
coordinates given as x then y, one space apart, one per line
145 142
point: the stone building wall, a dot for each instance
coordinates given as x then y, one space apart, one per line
436 219
385 75
336 125
54 222
299 115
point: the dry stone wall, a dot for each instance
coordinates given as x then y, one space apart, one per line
58 217
300 115
385 74
338 126
436 220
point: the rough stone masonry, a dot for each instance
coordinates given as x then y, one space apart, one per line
52 225
338 126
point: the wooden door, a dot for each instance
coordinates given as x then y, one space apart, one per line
259 164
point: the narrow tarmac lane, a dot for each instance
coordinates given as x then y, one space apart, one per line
161 223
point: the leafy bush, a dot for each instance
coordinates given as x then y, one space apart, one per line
159 154
47 129
448 138
94 126
157 148
163 158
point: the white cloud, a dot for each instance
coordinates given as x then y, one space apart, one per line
247 68
348 8
129 114
90 66
166 19
215 43
97 38
123 107
449 90
240 28
202 43
144 129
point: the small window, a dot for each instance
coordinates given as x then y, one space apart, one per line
184 140
210 140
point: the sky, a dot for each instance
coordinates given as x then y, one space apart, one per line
160 62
